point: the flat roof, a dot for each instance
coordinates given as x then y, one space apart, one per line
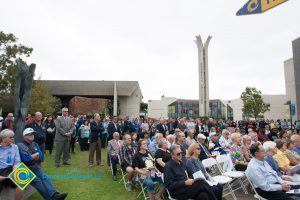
90 88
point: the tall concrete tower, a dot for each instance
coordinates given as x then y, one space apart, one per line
203 75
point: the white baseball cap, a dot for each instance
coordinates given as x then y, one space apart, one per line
201 136
28 131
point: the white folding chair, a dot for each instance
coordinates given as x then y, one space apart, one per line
123 174
143 188
256 195
224 180
224 161
144 192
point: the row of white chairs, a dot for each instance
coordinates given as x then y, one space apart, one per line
225 174
124 179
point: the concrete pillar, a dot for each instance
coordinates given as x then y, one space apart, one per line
203 75
115 110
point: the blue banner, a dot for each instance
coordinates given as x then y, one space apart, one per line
258 6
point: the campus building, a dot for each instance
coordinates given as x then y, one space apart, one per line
124 96
171 107
292 81
225 109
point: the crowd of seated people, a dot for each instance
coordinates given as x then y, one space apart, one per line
181 151
148 148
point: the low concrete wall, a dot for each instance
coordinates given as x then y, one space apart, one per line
9 194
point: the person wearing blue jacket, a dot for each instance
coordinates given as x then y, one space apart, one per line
31 155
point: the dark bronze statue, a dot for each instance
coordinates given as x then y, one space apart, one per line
24 80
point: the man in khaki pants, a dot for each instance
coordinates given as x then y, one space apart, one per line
95 140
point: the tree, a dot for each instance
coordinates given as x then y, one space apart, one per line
10 51
41 100
254 105
143 107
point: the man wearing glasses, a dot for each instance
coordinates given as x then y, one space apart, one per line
64 130
179 184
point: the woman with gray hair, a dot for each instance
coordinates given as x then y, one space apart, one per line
9 159
162 155
170 140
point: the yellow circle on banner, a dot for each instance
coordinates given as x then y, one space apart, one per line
17 176
253 5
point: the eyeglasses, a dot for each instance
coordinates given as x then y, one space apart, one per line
11 137
29 134
178 154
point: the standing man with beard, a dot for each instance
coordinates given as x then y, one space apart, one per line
64 130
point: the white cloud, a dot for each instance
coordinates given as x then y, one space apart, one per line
152 42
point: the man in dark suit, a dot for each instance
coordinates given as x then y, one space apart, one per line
127 124
95 140
204 150
113 127
162 127
64 130
171 126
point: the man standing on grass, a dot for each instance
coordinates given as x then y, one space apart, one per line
95 140
64 130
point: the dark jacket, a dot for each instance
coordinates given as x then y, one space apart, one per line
96 129
162 128
111 129
40 135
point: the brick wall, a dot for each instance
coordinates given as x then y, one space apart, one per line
83 105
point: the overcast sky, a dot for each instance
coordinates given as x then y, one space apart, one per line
153 42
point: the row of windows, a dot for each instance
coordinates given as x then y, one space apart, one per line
191 109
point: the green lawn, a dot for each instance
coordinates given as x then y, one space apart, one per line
103 188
